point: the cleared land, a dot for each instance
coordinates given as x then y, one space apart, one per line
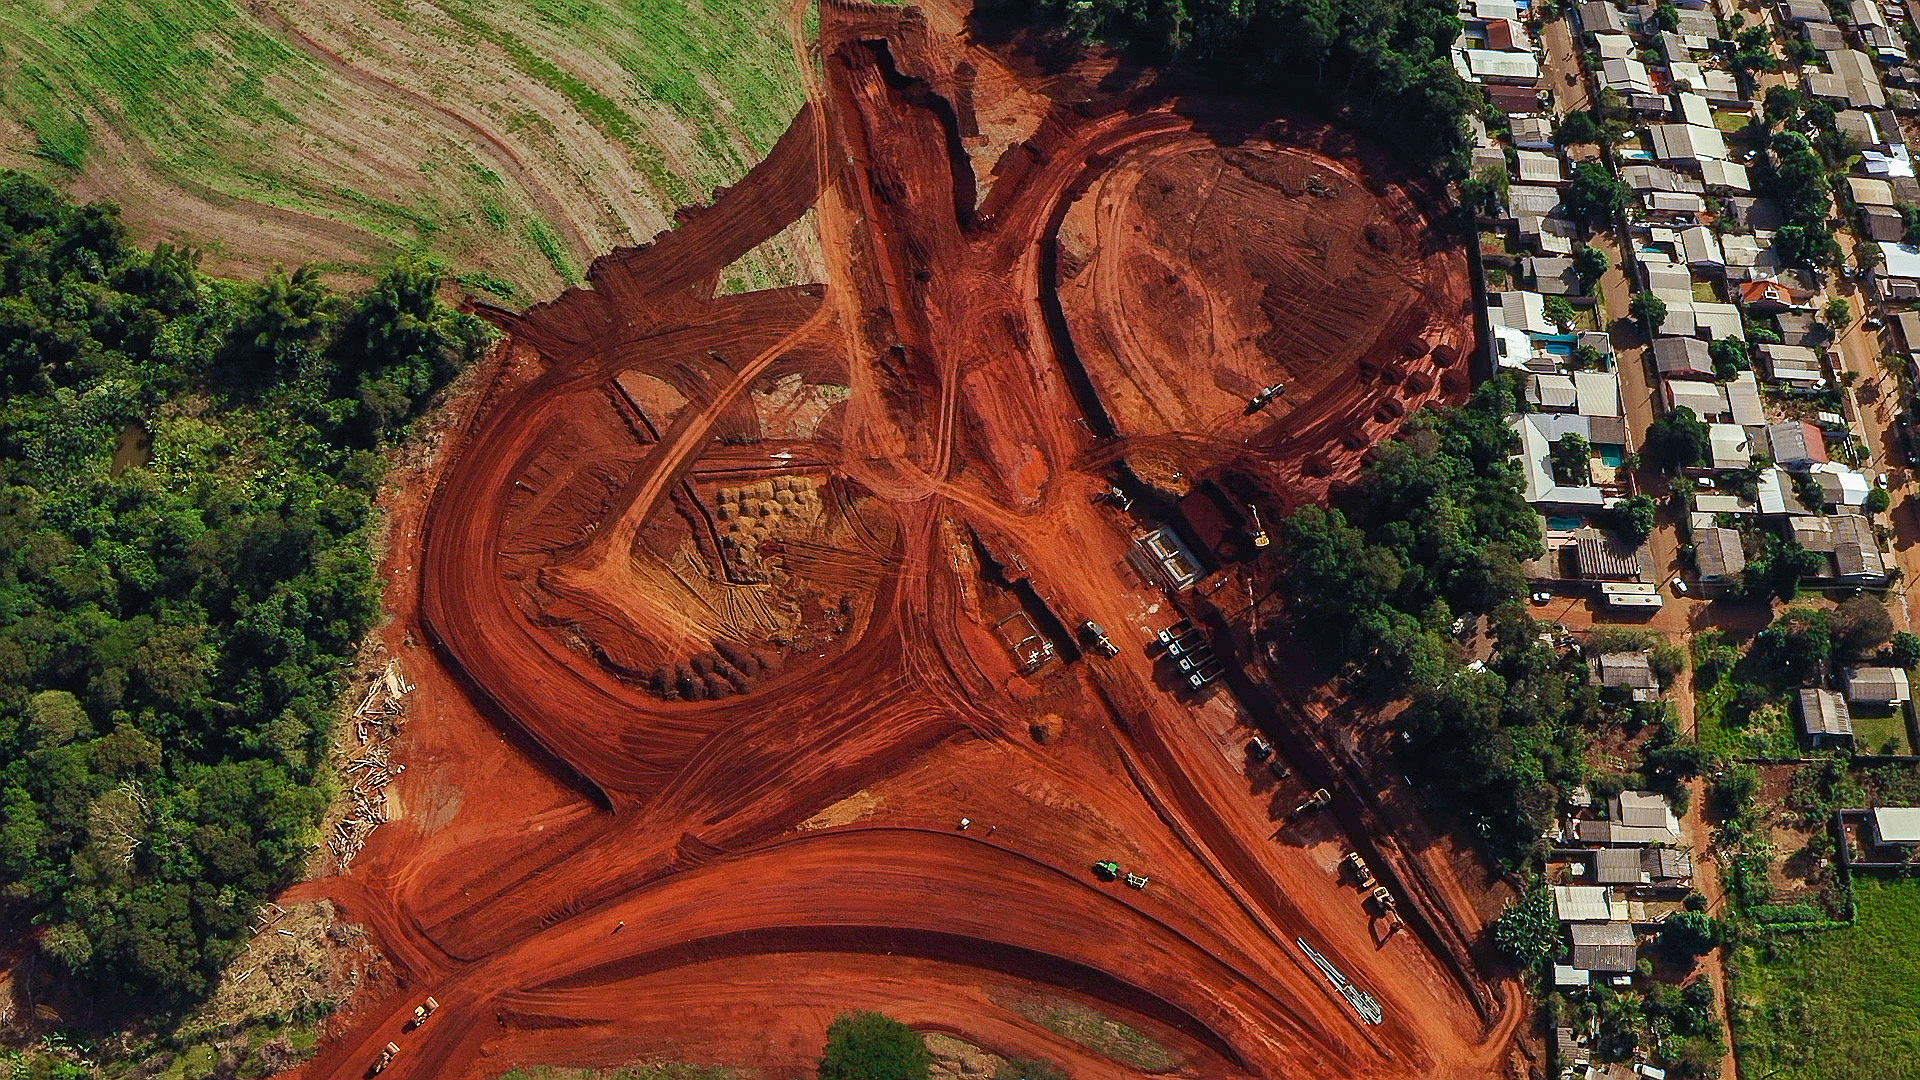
515 140
1836 1005
739 583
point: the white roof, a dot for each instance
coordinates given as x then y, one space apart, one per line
1713 503
1597 393
1702 247
1538 432
1743 399
1901 261
1521 309
1581 903
1730 446
1497 64
1726 174
1626 75
1707 400
1538 168
1894 824
1870 192
1687 142
1693 109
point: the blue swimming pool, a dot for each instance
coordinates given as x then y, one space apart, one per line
1564 524
1612 455
1556 344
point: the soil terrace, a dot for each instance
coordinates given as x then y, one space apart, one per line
740 581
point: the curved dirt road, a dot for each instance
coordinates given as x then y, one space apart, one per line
748 580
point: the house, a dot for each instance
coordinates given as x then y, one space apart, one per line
1552 392
1645 177
1707 400
1800 328
1760 215
1743 400
1646 810
1552 275
1794 12
1823 36
1855 68
1618 866
1534 167
1878 686
1701 248
1841 486
1692 143
1719 554
1538 432
1596 394
1666 867
1598 556
1768 297
1585 903
1895 826
1498 67
1521 310
1631 672
1796 443
1824 717
1795 364
1848 540
1684 205
1884 224
1693 109
1606 947
1728 447
1870 192
1777 497
1898 276
1909 324
1530 133
1718 320
1600 17
1682 357
1725 177
1626 75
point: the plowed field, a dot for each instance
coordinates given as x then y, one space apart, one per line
766 592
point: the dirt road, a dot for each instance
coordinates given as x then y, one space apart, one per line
756 585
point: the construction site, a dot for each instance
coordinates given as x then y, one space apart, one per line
798 651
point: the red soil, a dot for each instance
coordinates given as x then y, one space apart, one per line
734 692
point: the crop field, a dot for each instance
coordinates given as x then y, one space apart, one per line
1836 1005
513 140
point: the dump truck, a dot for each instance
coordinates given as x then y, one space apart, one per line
1259 531
1138 881
1267 394
1259 749
1315 801
1107 870
1177 630
385 1059
422 1011
1382 901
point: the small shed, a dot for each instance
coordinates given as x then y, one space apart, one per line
1896 825
1631 672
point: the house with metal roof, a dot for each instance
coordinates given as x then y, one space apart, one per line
1719 554
1606 947
1824 717
1628 672
1877 686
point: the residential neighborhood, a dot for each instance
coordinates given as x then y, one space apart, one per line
1694 227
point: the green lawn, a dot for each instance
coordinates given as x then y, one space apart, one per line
1839 1005
1873 734
680 95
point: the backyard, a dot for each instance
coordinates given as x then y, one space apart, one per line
1837 1005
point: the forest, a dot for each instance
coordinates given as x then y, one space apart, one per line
187 468
1381 65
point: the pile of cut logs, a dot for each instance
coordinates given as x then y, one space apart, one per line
375 725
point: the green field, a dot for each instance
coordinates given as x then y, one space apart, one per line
1838 1005
209 100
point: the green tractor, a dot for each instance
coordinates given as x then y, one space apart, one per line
1107 870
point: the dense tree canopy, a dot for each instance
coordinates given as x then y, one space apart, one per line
172 630
869 1046
1382 64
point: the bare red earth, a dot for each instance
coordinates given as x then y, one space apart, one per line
728 573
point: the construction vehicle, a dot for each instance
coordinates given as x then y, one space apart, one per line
1205 675
1196 660
1096 637
1107 870
385 1059
1264 397
1138 881
1260 537
1259 749
1192 644
1321 797
422 1011
1382 900
1362 873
